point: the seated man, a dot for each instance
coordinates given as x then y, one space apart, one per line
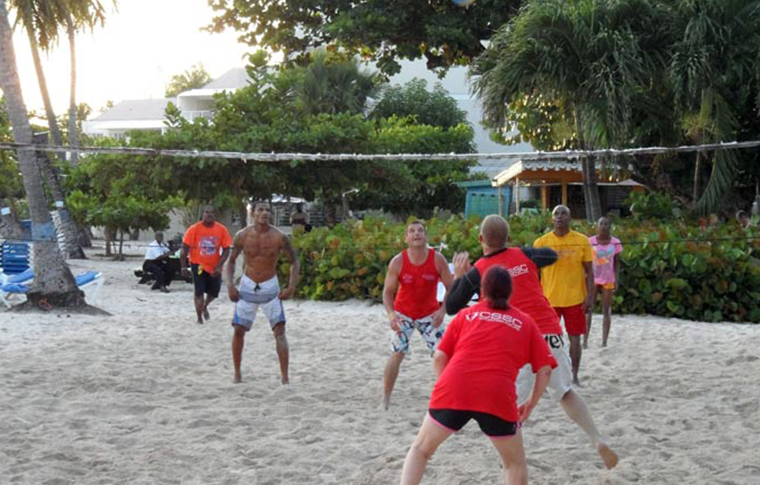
157 263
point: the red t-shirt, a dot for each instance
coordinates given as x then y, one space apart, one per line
487 348
206 244
418 286
527 294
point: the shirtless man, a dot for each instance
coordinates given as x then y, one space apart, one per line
261 244
409 296
524 264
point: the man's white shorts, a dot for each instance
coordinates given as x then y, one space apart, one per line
561 380
254 295
431 335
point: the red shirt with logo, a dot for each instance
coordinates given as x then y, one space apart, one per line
487 348
527 294
418 286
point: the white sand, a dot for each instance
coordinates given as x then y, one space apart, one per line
146 397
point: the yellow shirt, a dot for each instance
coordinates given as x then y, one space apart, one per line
564 282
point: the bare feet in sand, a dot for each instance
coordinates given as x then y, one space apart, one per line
238 378
609 457
285 381
206 315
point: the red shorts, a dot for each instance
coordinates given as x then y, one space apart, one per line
575 318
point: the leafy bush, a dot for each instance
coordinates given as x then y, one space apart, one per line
653 205
434 108
672 270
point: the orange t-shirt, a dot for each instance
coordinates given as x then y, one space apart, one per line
206 244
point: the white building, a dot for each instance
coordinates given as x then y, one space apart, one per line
148 114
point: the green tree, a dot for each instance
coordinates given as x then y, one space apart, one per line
53 283
11 185
42 20
434 108
586 58
122 192
381 30
426 185
334 83
193 78
714 74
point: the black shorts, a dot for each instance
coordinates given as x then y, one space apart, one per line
206 283
455 419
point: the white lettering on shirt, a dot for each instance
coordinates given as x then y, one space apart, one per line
508 320
518 270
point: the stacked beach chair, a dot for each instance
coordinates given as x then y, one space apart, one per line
16 275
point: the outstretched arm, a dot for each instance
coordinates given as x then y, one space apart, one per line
462 291
295 269
541 257
237 247
445 274
389 291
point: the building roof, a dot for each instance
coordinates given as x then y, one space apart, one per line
137 109
232 79
549 171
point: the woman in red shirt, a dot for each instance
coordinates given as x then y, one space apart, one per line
477 363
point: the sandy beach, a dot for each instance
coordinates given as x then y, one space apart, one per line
146 397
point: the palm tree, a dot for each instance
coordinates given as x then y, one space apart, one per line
53 285
713 72
587 57
333 84
78 15
42 20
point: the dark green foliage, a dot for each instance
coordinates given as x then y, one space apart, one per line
11 185
653 205
632 73
434 108
279 113
382 30
668 269
710 281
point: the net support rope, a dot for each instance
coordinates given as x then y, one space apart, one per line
286 157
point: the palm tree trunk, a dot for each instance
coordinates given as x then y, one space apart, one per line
55 132
697 177
73 249
70 232
588 168
593 201
73 134
53 284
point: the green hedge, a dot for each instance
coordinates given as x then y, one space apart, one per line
673 270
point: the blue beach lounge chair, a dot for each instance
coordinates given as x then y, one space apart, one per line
90 282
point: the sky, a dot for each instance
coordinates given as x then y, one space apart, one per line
142 45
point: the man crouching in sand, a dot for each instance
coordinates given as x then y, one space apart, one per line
261 244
